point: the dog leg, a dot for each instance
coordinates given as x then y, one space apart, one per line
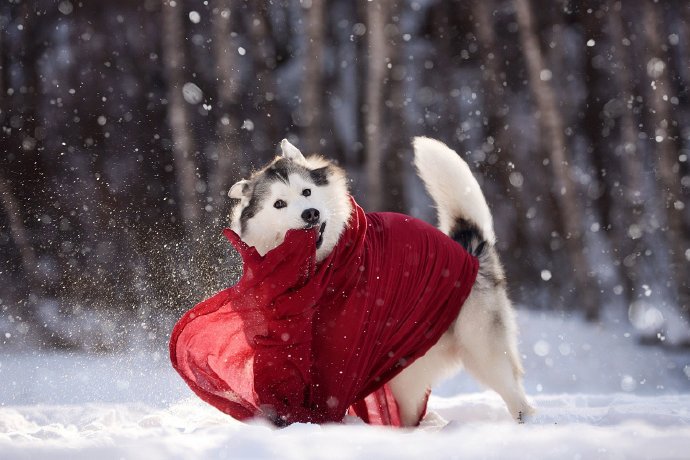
486 335
411 386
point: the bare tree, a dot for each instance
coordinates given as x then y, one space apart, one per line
269 118
591 18
2 70
627 229
685 57
312 84
594 16
551 124
376 13
230 164
19 233
495 109
398 147
21 104
660 93
22 142
178 118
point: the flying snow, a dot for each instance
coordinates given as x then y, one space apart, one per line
194 17
192 93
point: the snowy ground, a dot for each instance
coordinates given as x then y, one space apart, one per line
599 395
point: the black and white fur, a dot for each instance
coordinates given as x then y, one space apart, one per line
483 338
260 223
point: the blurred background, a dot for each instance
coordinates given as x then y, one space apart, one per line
124 123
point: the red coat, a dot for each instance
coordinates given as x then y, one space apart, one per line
300 341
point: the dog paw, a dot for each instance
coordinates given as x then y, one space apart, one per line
525 414
433 422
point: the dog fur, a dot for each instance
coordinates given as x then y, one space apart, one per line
284 195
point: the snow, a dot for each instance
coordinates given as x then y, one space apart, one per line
599 395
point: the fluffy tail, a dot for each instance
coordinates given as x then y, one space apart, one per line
462 210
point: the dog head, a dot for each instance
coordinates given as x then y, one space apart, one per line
291 192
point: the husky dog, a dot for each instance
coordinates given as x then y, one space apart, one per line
291 192
294 191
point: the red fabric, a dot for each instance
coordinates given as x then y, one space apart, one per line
297 341
378 408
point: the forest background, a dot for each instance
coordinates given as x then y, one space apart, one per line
125 123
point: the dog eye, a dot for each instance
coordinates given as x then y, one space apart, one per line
279 204
306 192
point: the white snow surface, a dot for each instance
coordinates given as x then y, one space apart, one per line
599 395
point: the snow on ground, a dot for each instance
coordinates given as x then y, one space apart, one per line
599 395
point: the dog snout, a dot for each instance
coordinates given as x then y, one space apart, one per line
311 216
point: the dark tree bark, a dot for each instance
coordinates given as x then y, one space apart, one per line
592 19
312 83
376 14
230 165
19 141
29 263
397 146
445 118
3 69
552 129
598 124
20 235
18 113
666 154
183 147
495 110
270 120
627 228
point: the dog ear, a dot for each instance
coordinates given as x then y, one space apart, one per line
290 151
320 175
238 190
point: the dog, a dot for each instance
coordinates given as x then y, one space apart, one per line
294 191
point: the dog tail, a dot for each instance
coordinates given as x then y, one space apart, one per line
462 210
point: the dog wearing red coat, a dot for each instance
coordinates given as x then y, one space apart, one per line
295 191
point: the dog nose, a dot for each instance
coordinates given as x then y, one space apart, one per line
311 215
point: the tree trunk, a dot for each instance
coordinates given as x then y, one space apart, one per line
446 115
29 262
495 111
3 67
594 117
230 166
501 161
660 92
23 105
312 83
183 143
551 125
19 234
596 121
397 147
376 13
268 122
626 229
